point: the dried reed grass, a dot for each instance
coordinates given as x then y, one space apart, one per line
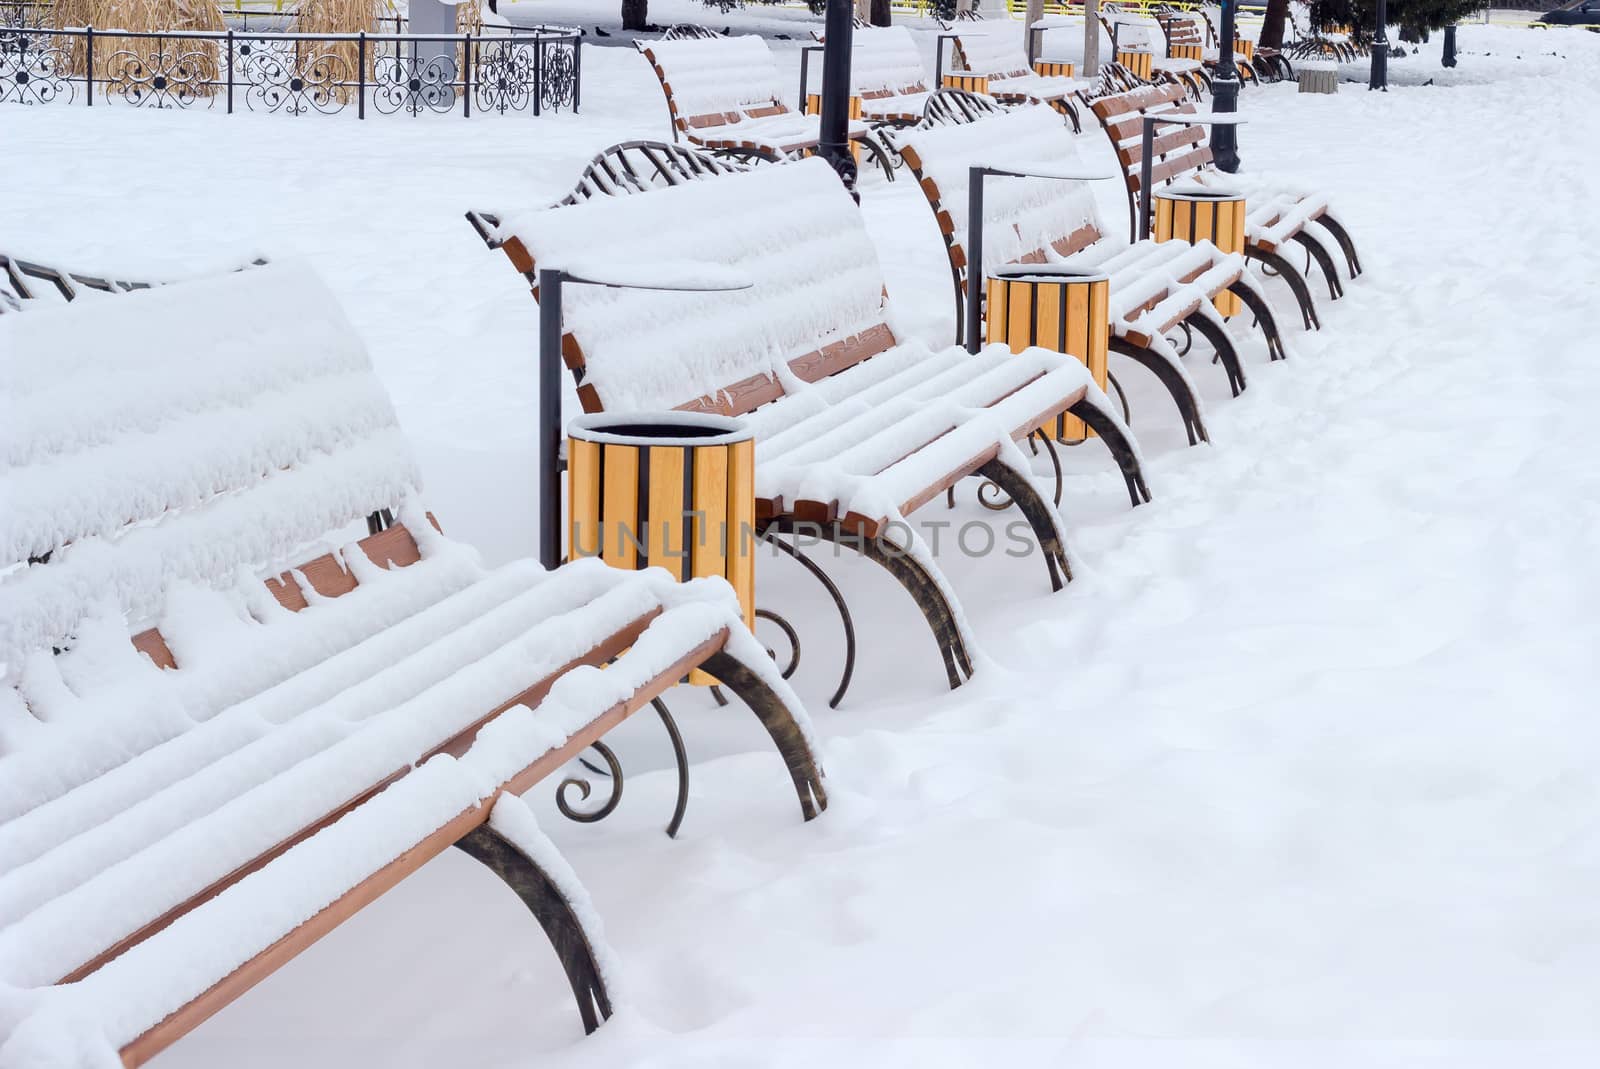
338 60
185 64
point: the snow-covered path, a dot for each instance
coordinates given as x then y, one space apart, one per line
1301 771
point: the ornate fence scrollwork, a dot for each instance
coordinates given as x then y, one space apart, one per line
160 76
415 84
525 69
279 76
33 70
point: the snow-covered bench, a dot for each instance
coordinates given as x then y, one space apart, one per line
996 59
1275 215
1155 287
886 73
724 95
182 813
1147 34
855 427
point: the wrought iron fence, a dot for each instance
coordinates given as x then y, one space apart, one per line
525 69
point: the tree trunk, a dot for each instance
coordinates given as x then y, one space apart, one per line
635 14
1272 24
1034 14
1091 38
880 13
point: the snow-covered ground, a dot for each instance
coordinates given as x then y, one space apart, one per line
1299 771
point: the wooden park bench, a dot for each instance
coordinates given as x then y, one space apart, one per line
1275 216
995 64
855 428
724 96
1155 288
886 73
311 705
1144 35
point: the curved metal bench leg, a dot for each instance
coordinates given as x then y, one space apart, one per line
1342 236
744 681
1102 424
1214 333
1295 280
1039 517
553 912
845 619
880 157
1315 250
910 574
1188 406
1263 315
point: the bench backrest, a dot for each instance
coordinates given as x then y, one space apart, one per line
1022 216
716 81
1182 31
885 61
181 434
993 55
1178 150
816 307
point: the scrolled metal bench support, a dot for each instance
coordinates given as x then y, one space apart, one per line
1214 333
911 575
1172 379
1324 261
775 716
1263 315
1026 497
845 619
1342 236
1295 280
554 913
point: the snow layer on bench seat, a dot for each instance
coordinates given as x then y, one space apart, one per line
289 779
159 976
57 845
793 230
136 462
1021 215
718 74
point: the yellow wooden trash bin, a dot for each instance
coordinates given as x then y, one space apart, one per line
673 490
1195 215
814 107
1138 61
1056 308
972 83
1052 68
1195 52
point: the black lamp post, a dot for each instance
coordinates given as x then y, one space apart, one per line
834 137
1225 95
1380 51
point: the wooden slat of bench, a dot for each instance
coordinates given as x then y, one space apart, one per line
455 746
391 546
1172 168
258 968
1131 153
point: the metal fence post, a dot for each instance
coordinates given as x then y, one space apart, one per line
538 73
361 74
466 77
230 71
577 71
88 48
